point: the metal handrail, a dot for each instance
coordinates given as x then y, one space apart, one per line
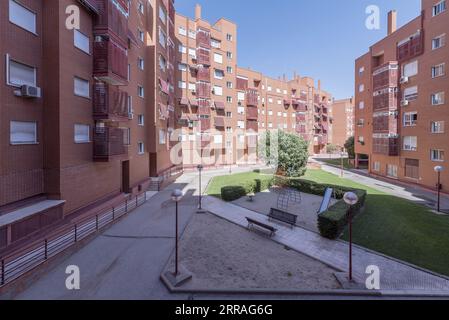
30 256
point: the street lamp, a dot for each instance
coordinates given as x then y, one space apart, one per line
342 165
176 196
438 170
200 205
351 199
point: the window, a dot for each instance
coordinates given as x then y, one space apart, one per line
218 58
361 88
218 74
279 102
82 133
141 63
218 139
229 85
229 37
436 155
410 143
192 53
241 124
218 91
410 119
279 114
140 92
229 70
270 125
182 31
192 34
269 88
278 90
81 41
439 8
229 55
182 67
270 100
410 69
141 8
162 14
376 166
192 86
162 136
162 38
23 132
437 98
19 74
361 139
411 93
241 110
182 85
141 35
228 114
81 87
439 42
162 63
215 43
361 122
270 112
126 136
182 49
141 120
392 171
361 105
241 96
229 129
141 148
22 17
438 70
229 99
437 126
130 105
361 71
129 72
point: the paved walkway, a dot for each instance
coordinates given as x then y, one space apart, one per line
394 275
410 192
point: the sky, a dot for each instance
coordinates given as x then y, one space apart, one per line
317 38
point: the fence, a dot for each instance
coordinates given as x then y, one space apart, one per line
16 264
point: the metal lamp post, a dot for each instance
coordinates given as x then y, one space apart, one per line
176 196
200 204
342 165
351 199
438 170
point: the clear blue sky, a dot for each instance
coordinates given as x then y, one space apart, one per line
317 38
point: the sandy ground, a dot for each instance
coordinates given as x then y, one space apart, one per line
306 210
222 255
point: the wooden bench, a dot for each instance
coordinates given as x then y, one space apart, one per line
282 216
252 223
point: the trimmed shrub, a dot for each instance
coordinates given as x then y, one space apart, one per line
231 193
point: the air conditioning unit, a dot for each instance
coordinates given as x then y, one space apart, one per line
130 116
29 92
404 80
404 103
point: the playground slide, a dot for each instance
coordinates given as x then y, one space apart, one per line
326 200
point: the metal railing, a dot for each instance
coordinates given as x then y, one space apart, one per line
25 259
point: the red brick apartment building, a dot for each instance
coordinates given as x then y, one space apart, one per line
343 124
92 115
401 109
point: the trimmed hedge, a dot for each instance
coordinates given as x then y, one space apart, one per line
332 222
231 193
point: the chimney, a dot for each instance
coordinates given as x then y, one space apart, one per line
392 21
319 85
198 12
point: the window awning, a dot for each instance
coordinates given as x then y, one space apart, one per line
219 105
184 117
163 111
194 102
193 117
184 102
219 122
164 86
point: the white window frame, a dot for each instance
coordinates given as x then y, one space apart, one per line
140 148
162 137
182 31
441 99
82 36
8 73
439 8
141 120
79 94
440 153
433 126
141 91
218 90
84 126
410 69
23 142
218 58
141 63
439 67
408 120
408 145
32 29
440 40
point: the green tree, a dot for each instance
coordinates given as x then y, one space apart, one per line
331 148
349 146
288 152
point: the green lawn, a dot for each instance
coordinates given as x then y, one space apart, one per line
238 179
337 163
397 227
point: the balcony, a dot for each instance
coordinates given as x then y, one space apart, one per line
300 117
411 48
241 83
112 20
110 62
299 106
385 122
203 74
386 75
109 103
252 126
203 38
109 142
386 146
386 99
205 124
203 90
219 123
203 56
301 129
252 113
252 97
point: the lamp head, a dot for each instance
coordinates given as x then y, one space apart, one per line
200 167
176 195
350 198
438 169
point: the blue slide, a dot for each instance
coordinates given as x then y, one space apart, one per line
326 200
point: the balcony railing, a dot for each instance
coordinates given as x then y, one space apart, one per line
203 38
205 124
301 129
109 142
386 146
411 48
386 75
241 83
203 56
300 117
251 113
252 125
110 103
110 61
386 99
203 74
252 98
112 20
203 90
